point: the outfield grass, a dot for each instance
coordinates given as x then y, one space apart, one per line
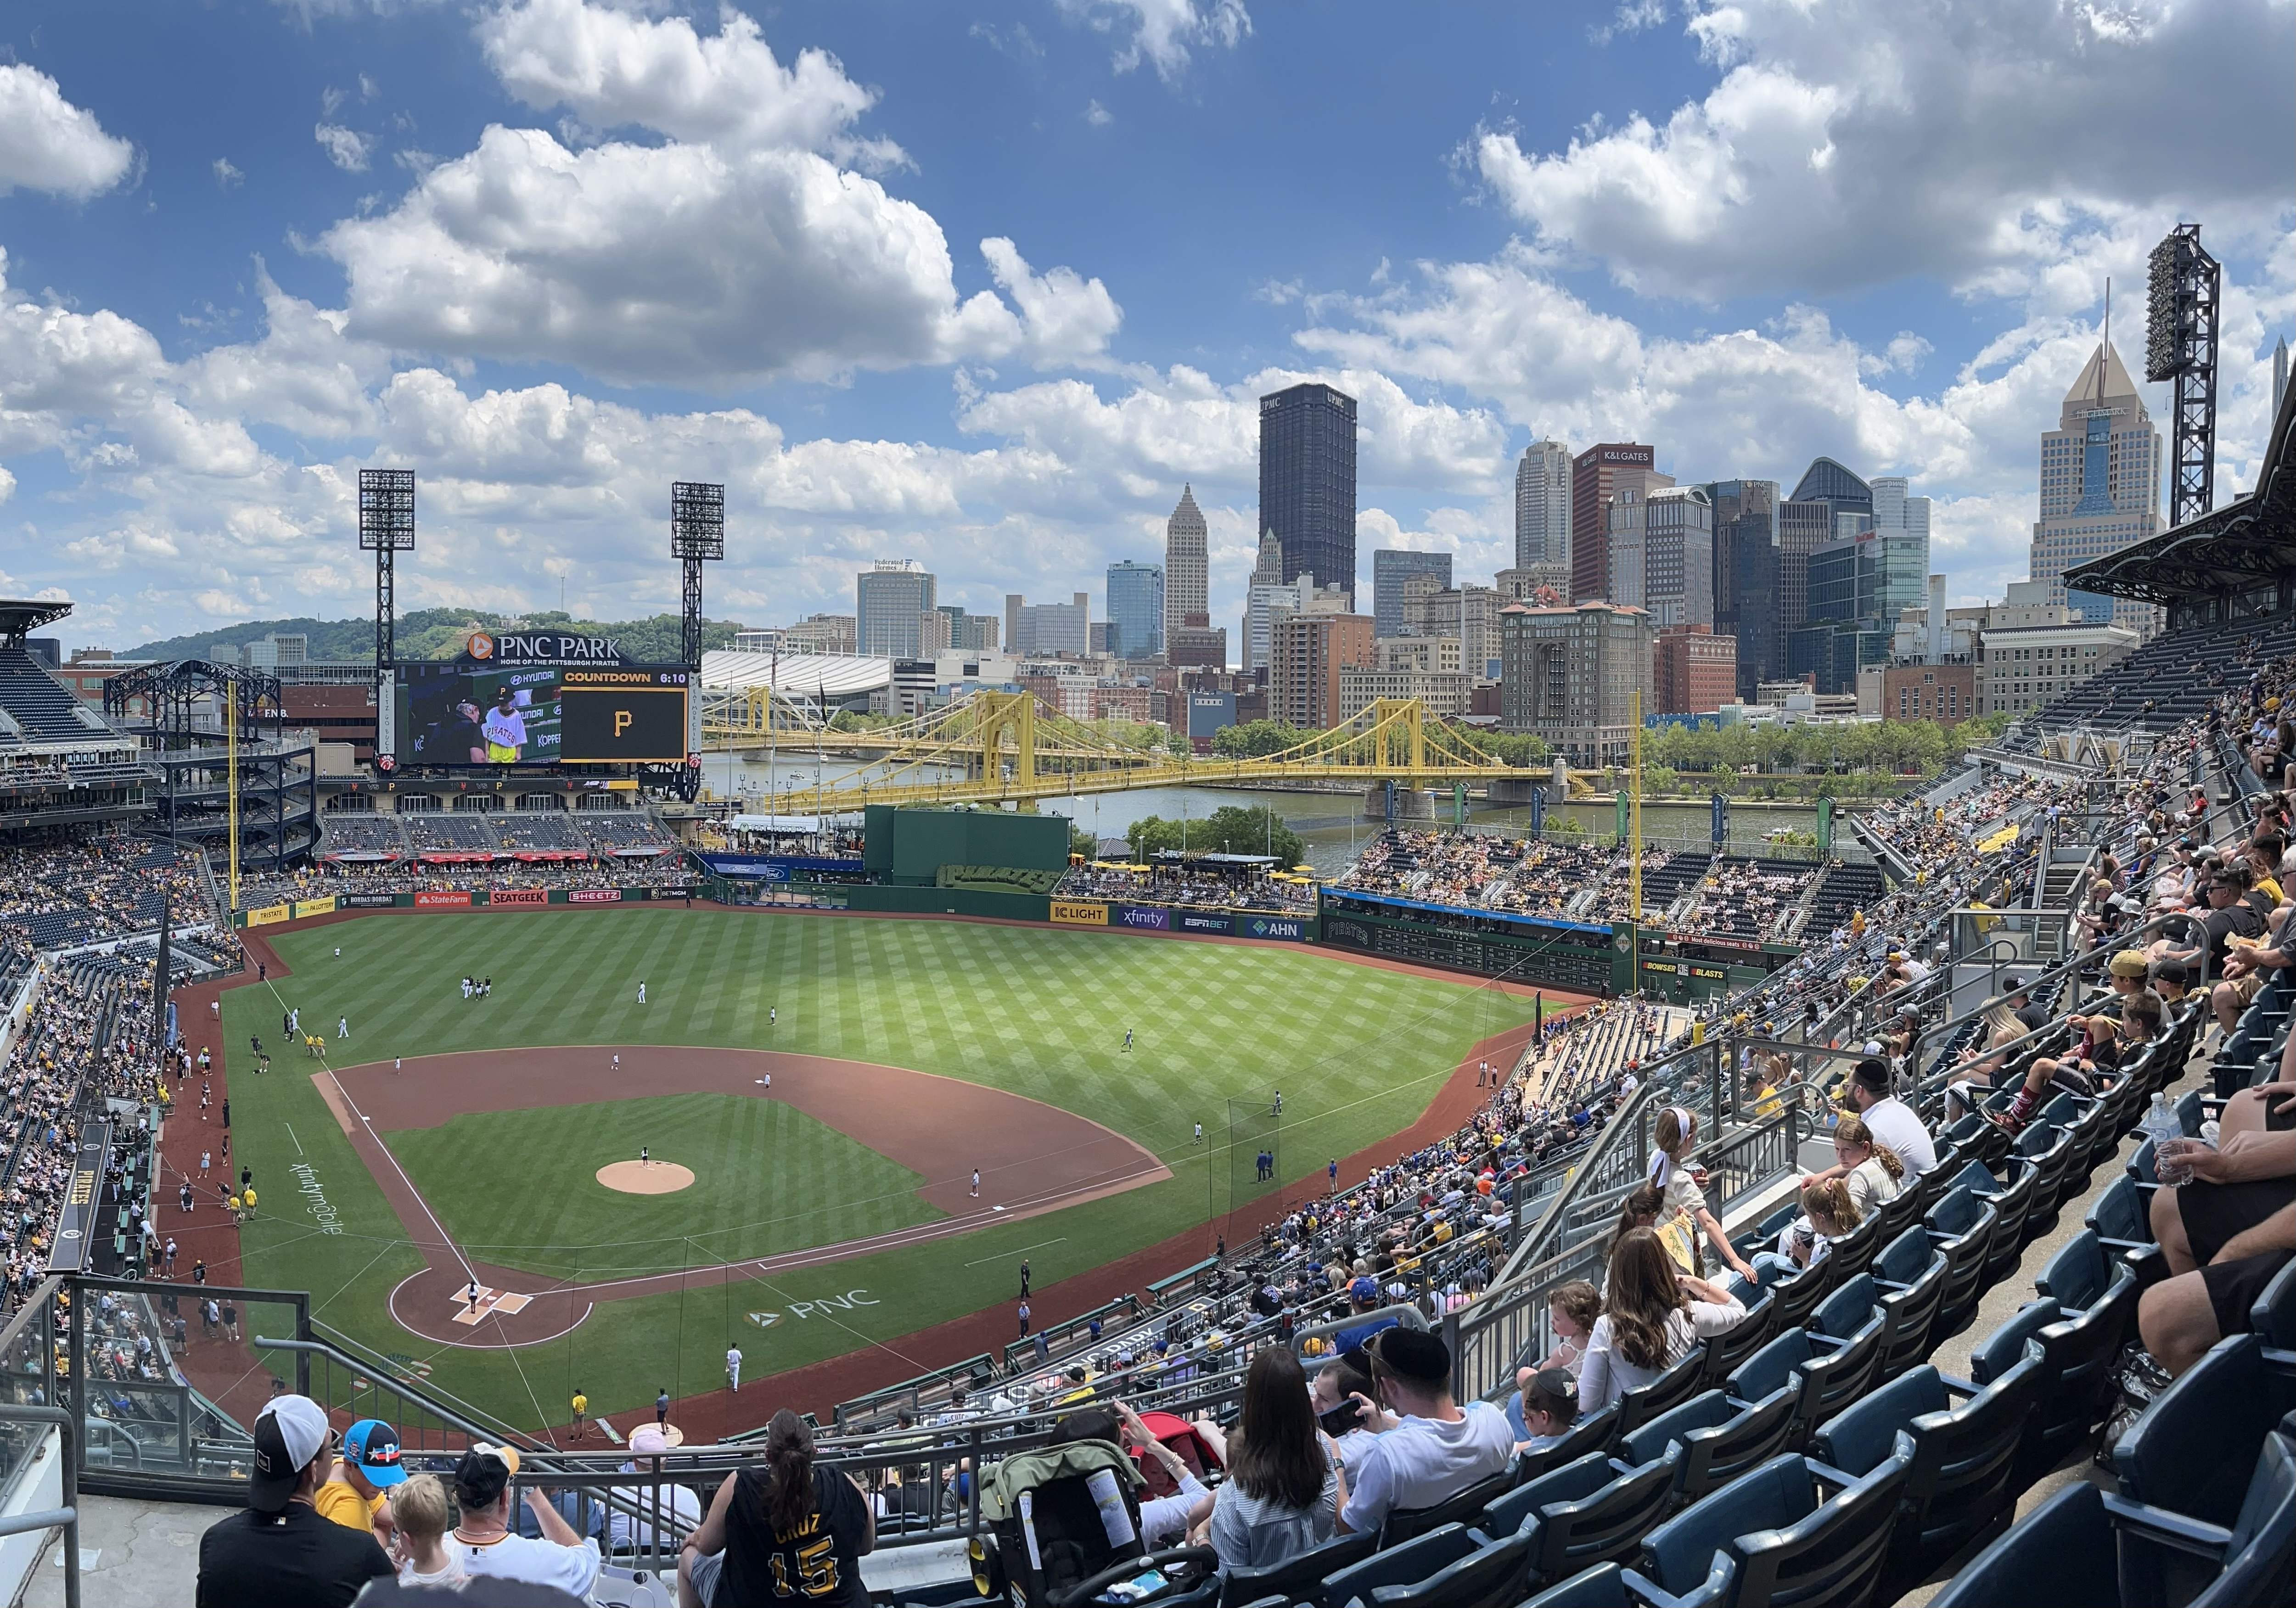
1357 1051
520 1188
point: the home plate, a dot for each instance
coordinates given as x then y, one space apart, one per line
491 1301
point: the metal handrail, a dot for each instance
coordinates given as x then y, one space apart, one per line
2120 941
68 1515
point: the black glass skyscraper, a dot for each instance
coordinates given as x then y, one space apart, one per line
1308 482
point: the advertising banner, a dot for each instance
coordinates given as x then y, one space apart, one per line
429 900
1153 918
518 896
1067 913
593 896
270 916
1204 921
314 907
1271 926
366 901
75 1228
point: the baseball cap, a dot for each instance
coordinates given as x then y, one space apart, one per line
2172 970
1417 1355
372 1447
1364 1289
290 1431
483 1472
2128 963
649 1437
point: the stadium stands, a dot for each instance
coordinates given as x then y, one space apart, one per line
41 709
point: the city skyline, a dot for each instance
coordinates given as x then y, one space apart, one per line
244 258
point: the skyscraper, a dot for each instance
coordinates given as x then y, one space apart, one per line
1187 566
1308 481
1136 609
889 598
1901 529
1389 566
1542 505
2100 487
1746 577
1662 546
1597 475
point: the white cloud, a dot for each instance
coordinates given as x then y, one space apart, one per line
616 68
735 250
345 147
226 176
1854 144
1162 32
1098 115
48 143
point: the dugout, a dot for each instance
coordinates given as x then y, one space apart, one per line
909 847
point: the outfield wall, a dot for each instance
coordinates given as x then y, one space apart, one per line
1037 910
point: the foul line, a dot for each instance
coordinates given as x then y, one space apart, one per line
1024 1250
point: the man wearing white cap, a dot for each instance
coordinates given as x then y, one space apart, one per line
487 1541
279 1551
676 1505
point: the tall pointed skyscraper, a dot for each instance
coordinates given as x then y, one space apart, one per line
1187 567
2100 487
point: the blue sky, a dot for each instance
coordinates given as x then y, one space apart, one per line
554 254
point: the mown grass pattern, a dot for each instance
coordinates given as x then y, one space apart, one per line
521 1189
1357 1051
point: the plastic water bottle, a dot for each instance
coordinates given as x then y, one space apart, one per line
2160 1125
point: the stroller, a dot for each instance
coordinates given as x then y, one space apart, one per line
1062 1529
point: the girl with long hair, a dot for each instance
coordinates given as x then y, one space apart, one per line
1828 1212
1875 1173
1652 1315
786 1531
1284 1490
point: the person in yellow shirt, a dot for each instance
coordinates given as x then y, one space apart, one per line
581 1404
356 1495
247 1201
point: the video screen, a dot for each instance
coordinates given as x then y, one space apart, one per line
460 715
622 716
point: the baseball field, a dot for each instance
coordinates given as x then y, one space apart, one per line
830 1084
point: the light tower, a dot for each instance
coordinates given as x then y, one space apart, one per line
2182 303
386 529
697 531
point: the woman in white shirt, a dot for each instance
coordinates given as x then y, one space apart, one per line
1874 1174
1653 1315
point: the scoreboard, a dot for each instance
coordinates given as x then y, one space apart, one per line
622 716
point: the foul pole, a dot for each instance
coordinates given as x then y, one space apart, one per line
1635 830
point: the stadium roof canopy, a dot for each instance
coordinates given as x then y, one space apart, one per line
2232 551
18 617
824 675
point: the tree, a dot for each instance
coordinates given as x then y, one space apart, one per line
1508 748
1081 842
1231 829
1257 739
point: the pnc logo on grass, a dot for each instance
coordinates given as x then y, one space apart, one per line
765 1320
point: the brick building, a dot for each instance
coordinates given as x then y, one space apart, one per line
1305 655
1693 672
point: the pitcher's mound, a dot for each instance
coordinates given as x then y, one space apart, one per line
646 1178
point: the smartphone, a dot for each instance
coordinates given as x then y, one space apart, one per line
1346 1417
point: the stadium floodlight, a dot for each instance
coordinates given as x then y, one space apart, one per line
697 531
386 528
2183 299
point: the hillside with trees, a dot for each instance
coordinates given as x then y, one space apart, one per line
439 633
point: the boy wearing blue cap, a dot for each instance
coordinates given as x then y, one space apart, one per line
354 1495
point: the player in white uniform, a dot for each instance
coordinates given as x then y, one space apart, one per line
505 728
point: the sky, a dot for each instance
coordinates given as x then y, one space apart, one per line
985 285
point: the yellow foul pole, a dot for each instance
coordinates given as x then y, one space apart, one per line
231 781
1634 829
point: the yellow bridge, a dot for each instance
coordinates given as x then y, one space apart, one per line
992 747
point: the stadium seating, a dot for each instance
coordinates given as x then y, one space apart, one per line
42 708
